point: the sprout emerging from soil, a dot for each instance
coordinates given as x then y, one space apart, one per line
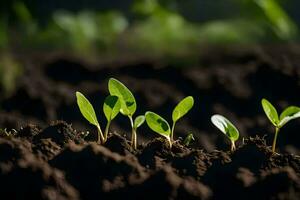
189 138
128 106
111 109
291 112
161 126
182 108
226 127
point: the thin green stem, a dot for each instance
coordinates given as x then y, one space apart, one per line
106 130
275 139
100 135
172 132
170 142
233 148
133 134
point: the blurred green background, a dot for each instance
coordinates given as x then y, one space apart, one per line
165 27
112 30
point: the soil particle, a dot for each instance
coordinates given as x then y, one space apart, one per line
94 170
165 184
158 151
46 149
281 184
193 164
19 167
28 132
59 132
118 144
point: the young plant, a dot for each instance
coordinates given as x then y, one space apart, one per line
111 108
189 138
128 106
226 127
291 112
159 125
182 108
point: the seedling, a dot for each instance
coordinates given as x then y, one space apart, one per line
189 138
128 106
161 126
111 109
291 112
182 108
226 127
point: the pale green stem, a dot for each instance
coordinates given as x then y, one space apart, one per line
172 132
100 135
106 130
133 134
232 146
170 142
275 139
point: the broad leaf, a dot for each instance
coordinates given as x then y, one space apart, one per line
139 120
158 124
288 114
111 107
86 109
270 112
128 104
225 126
182 108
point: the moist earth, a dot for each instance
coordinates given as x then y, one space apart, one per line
62 165
61 160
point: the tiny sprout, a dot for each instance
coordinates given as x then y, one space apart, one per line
155 122
111 109
226 127
291 112
182 108
159 125
128 106
188 139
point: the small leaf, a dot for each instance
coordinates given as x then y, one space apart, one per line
128 103
182 108
225 126
111 107
270 111
188 139
288 114
158 124
86 109
139 120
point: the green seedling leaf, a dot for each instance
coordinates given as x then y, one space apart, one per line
270 112
158 124
111 107
139 120
188 139
182 108
128 103
288 114
86 109
226 127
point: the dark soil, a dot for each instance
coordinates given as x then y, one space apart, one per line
59 164
57 161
